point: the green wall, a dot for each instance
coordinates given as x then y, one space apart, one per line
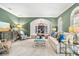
10 18
7 17
66 17
28 20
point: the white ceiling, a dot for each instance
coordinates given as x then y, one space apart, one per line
36 9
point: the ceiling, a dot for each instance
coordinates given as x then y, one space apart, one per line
36 9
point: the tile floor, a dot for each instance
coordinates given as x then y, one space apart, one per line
26 48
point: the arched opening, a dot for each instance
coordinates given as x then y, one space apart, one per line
40 26
74 19
74 23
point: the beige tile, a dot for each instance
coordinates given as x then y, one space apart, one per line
26 48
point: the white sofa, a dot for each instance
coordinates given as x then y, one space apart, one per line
54 44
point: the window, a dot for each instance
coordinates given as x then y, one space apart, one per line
40 29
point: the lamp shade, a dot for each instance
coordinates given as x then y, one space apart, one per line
74 29
19 26
53 29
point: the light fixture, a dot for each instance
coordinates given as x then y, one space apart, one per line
74 29
19 26
53 29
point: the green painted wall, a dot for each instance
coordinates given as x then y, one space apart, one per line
28 20
7 17
66 17
10 18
